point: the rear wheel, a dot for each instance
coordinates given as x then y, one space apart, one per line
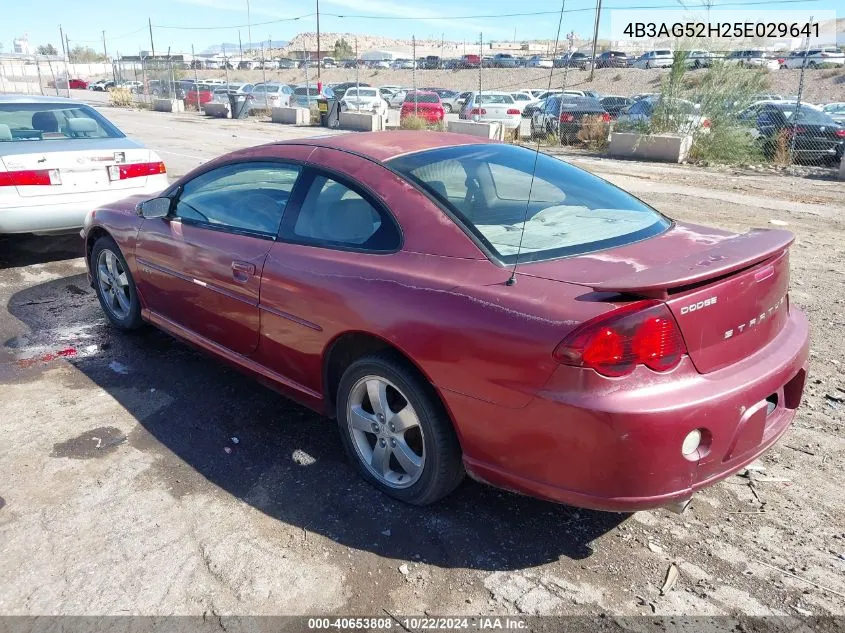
114 285
396 431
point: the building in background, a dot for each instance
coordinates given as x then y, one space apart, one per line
20 45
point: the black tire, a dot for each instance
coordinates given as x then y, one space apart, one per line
132 320
443 468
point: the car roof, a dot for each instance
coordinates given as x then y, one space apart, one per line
38 99
382 146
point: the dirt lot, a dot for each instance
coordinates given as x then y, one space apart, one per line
124 490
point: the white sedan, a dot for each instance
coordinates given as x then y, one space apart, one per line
489 107
61 158
363 100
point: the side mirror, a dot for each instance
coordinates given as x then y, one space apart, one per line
155 208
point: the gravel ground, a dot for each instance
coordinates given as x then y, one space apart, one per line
124 492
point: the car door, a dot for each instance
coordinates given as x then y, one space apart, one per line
200 266
336 234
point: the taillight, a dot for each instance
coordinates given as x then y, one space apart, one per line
478 111
567 118
136 170
840 133
642 333
513 111
30 177
605 117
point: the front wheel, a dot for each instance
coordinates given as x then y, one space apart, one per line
114 285
396 431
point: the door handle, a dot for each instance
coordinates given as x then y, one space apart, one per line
242 271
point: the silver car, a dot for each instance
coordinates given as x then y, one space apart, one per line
60 158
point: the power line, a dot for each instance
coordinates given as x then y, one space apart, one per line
232 26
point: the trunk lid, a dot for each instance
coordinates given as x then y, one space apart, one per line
83 165
727 292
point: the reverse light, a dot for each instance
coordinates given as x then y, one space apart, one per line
136 170
641 333
30 177
691 443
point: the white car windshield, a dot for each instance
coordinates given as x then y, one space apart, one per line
561 210
362 92
494 99
52 121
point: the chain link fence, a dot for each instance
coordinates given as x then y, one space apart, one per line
766 110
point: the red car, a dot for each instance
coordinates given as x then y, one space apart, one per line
580 346
78 84
199 95
426 105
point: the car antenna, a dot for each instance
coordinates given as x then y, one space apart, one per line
512 279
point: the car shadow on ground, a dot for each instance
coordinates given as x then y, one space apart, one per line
287 461
27 249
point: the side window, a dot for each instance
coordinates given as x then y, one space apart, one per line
332 214
244 196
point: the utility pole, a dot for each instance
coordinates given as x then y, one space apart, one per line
414 71
319 87
595 39
196 77
240 45
357 76
152 44
797 115
248 26
106 55
480 58
66 55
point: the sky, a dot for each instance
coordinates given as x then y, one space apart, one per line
127 32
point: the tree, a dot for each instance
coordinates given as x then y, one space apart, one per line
85 55
342 49
47 49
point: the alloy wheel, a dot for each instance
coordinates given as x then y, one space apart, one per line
113 283
385 432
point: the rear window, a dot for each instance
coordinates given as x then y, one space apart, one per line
663 53
302 92
494 99
807 115
490 190
352 92
52 121
416 97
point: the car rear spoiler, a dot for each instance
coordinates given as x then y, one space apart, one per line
724 258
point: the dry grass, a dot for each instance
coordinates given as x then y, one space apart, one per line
413 123
781 154
594 132
121 98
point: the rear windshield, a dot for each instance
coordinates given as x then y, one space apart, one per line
416 97
52 121
494 99
808 115
565 210
352 92
311 92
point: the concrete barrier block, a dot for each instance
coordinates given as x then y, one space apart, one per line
525 128
219 110
361 122
169 105
487 130
291 116
842 169
673 148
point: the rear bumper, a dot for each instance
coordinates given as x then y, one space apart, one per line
596 443
46 215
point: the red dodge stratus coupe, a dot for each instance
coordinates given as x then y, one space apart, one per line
456 312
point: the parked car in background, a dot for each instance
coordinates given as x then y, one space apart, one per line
470 61
269 95
534 92
306 96
752 59
363 100
73 83
492 107
382 64
522 99
398 98
563 115
328 62
503 60
836 111
572 60
340 89
538 61
612 59
815 57
678 115
432 62
662 58
614 105
60 158
530 109
426 105
451 64
287 64
198 95
699 59
813 133
103 85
